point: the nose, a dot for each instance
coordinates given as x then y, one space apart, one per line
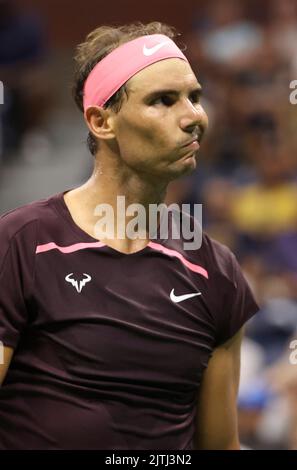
193 116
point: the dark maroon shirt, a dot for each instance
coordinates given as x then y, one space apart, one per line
104 359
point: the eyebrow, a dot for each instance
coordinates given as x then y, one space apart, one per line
171 91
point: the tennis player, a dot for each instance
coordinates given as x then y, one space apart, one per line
121 343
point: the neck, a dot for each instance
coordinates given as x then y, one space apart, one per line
109 180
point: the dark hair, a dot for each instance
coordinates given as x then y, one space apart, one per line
98 44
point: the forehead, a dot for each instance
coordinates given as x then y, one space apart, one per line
165 74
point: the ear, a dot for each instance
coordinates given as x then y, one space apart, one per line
100 122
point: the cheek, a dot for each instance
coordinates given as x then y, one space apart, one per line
145 133
204 119
142 135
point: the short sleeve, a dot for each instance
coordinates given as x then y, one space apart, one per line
238 303
16 278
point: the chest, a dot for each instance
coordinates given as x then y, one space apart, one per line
134 313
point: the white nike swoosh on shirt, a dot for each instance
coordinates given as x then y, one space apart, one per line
179 298
152 50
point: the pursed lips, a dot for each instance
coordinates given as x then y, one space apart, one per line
197 137
192 141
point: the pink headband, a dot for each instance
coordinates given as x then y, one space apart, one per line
122 63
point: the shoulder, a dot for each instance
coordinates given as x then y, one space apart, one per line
186 236
18 219
236 302
221 258
20 225
225 268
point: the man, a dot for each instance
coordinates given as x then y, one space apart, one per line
121 343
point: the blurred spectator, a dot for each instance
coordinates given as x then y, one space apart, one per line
22 54
229 35
283 379
276 322
262 418
282 26
268 206
252 405
247 182
284 255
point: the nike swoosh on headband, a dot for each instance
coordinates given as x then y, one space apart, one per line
147 51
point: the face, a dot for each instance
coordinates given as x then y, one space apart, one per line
161 123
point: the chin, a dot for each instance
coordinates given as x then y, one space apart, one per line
182 168
187 165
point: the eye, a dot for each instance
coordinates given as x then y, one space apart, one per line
165 100
195 97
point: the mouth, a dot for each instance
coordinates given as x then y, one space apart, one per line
192 144
195 139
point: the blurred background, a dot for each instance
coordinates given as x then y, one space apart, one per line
245 56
